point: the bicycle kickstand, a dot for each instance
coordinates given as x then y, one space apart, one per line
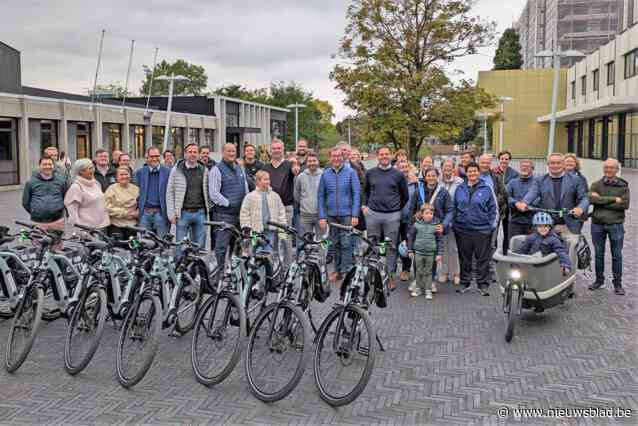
379 342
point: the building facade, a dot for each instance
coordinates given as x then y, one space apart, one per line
601 105
581 25
32 119
531 93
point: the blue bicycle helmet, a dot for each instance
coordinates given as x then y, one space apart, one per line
542 218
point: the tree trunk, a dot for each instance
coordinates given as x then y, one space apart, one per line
413 148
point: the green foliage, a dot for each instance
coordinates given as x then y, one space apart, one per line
393 70
198 80
508 54
115 90
315 120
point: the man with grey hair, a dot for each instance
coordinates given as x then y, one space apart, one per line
558 190
610 197
520 222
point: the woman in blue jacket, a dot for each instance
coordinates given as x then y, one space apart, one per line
474 221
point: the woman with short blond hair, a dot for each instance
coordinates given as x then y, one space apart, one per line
121 202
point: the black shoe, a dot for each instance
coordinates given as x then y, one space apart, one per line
596 285
463 288
619 290
234 319
483 291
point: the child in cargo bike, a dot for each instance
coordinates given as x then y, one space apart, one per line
546 241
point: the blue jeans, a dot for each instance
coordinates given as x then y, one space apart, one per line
224 240
341 248
192 224
616 234
155 222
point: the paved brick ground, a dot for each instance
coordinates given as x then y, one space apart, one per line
446 363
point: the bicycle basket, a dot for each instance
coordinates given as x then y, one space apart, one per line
583 253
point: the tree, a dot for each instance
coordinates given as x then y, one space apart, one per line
114 90
240 92
198 80
508 54
394 58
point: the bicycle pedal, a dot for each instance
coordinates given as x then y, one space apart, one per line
175 334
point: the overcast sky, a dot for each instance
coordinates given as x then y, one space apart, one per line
237 41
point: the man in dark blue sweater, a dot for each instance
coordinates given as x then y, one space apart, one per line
386 193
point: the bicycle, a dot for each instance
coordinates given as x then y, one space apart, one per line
283 327
347 334
166 292
46 274
107 287
223 320
14 274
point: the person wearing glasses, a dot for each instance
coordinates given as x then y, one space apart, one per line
152 179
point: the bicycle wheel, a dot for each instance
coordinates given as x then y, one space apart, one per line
278 350
85 330
513 296
218 338
138 340
344 355
24 328
5 307
188 301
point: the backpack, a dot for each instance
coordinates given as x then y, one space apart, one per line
583 253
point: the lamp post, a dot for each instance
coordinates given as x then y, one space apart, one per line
556 55
296 107
485 116
502 100
171 79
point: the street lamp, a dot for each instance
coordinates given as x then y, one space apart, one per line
171 79
485 116
502 100
296 107
556 55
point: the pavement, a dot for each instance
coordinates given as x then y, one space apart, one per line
446 362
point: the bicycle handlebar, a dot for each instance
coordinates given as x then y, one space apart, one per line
359 234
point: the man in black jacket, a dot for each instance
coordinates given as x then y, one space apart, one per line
104 171
251 164
386 193
43 196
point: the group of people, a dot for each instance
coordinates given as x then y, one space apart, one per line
443 220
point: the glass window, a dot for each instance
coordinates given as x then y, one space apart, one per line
48 134
9 171
83 140
193 136
611 74
583 85
177 141
139 141
158 137
209 139
631 64
596 80
573 90
113 137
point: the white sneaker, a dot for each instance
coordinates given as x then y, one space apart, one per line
412 286
428 295
457 280
415 293
442 278
434 289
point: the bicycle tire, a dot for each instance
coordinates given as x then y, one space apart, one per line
83 318
27 305
205 323
50 310
184 322
295 324
324 332
5 308
513 311
126 379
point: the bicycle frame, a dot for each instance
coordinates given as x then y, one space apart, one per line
8 285
113 265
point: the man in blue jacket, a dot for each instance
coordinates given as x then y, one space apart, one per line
475 219
520 222
559 190
338 202
152 179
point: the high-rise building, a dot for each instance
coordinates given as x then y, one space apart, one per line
582 25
